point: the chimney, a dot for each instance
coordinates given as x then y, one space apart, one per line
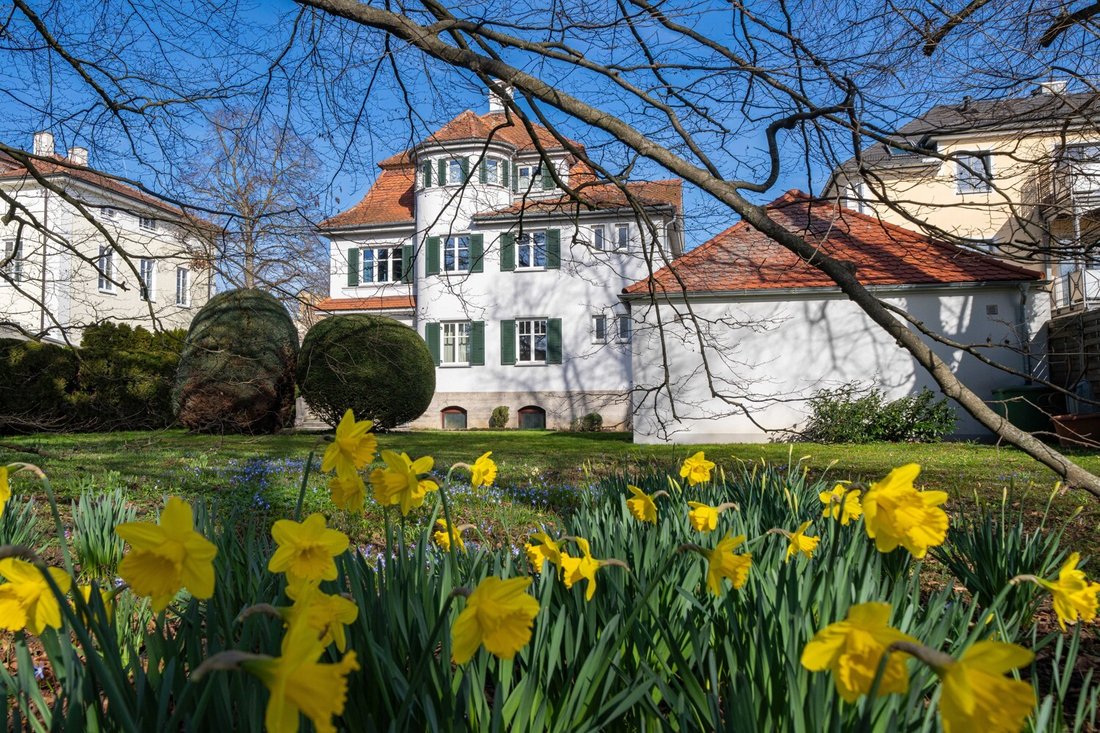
1054 86
496 100
43 144
78 156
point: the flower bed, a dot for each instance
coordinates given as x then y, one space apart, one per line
755 599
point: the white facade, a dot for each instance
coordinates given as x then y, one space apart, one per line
793 343
521 308
66 274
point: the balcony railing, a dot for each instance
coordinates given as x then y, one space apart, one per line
1070 185
1077 289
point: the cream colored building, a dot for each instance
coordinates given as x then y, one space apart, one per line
1017 177
84 248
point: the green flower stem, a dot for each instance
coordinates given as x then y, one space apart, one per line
302 488
58 524
450 526
414 687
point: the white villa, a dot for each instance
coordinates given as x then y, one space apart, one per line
556 306
62 273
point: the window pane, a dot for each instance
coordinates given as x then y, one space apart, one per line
540 348
624 236
540 250
396 264
624 328
454 174
598 238
599 326
525 250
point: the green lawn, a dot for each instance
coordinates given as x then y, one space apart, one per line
261 474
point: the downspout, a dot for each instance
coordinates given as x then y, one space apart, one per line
1023 331
42 236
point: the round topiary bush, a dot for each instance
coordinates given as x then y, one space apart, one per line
236 371
378 367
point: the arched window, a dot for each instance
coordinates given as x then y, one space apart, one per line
454 418
532 417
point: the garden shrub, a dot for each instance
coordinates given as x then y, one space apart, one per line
36 382
590 423
97 548
852 414
236 371
499 419
375 366
125 377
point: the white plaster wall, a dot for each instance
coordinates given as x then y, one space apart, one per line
767 355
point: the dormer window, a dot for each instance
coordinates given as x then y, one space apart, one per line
974 172
527 173
147 224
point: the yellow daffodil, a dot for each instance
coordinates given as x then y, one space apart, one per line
976 695
546 551
326 614
104 594
580 568
484 471
5 489
306 550
348 491
26 600
723 562
696 469
841 499
703 517
895 513
641 505
352 448
852 649
400 483
299 684
443 538
499 614
800 543
167 556
1074 596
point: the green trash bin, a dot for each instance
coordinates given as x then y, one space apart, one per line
1029 406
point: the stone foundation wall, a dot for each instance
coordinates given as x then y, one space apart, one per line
561 408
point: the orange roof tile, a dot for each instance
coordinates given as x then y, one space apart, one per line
742 258
374 303
600 196
496 126
389 201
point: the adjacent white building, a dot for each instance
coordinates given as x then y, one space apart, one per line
64 273
469 238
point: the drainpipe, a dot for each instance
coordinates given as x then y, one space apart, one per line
42 237
1023 331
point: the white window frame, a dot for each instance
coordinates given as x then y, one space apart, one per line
13 248
108 213
624 327
857 199
183 294
599 236
454 341
525 182
529 241
967 180
147 274
454 172
147 223
106 265
622 236
455 245
531 329
492 170
381 265
599 328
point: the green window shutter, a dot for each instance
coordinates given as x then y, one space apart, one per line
433 256
507 342
353 267
442 172
477 252
482 172
464 163
553 249
503 173
408 262
507 252
547 179
431 335
477 343
427 174
553 341
515 177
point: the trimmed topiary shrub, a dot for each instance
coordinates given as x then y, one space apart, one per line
236 372
378 367
590 423
125 377
36 381
499 418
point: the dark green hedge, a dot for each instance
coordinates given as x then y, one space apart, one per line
378 367
236 372
36 384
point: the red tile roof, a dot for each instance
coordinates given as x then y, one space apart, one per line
374 303
741 258
96 178
389 200
600 196
497 126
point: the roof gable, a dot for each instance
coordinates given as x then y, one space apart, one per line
744 259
